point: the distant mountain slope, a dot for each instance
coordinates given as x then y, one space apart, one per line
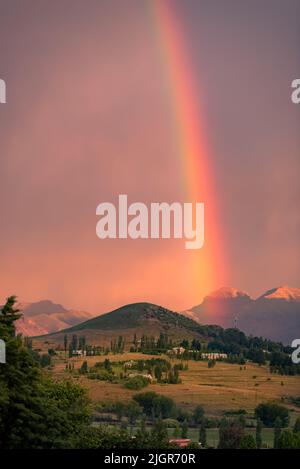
137 318
43 317
220 307
275 314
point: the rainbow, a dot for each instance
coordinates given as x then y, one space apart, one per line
208 265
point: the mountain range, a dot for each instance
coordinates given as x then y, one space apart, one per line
44 317
274 315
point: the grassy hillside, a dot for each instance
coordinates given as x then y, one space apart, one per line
137 314
137 318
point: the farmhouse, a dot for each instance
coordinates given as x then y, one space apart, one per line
180 442
78 353
145 375
176 351
129 364
214 356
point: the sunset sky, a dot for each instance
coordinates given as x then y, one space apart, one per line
94 110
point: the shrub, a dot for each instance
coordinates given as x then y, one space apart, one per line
136 382
102 375
248 442
289 440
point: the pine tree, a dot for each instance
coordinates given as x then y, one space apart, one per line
258 436
35 412
9 314
184 429
277 432
65 344
84 368
176 431
202 434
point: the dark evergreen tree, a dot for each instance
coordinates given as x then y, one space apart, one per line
202 434
184 429
277 432
65 344
35 412
258 434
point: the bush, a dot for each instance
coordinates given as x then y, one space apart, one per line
136 382
248 442
102 375
170 423
289 440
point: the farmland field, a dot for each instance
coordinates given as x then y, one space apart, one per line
226 387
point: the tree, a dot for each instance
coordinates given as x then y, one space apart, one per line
202 434
231 433
135 341
159 432
120 409
65 344
107 365
82 343
158 372
176 431
247 442
296 428
277 432
258 435
45 360
198 414
9 315
155 405
185 344
184 429
74 342
268 413
84 368
35 411
133 411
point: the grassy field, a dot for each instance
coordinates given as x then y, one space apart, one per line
225 387
212 435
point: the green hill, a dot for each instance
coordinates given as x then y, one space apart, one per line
136 318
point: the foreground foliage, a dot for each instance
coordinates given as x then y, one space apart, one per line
35 411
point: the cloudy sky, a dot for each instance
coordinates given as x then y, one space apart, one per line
88 118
